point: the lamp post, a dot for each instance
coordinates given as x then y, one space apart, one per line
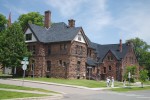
89 67
129 76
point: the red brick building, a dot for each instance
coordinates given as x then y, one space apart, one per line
64 51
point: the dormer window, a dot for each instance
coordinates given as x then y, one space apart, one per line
28 37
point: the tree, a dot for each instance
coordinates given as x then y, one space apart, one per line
32 17
3 22
12 46
143 76
132 70
142 52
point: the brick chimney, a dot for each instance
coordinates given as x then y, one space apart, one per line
9 20
120 45
47 21
71 23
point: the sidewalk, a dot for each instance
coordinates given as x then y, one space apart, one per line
65 85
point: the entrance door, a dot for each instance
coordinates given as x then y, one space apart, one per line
48 74
78 69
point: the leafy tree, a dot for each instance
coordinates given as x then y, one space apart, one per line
143 76
3 22
132 70
12 46
142 52
32 17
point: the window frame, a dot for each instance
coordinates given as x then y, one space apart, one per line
29 37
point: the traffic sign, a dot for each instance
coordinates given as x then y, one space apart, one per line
25 62
25 58
24 67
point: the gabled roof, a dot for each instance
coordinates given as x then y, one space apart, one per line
56 33
102 50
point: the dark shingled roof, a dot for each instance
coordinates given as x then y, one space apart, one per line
91 62
56 33
102 50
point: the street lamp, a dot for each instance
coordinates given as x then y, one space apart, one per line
89 67
129 76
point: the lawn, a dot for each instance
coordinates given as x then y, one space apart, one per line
77 82
127 89
10 95
5 75
24 88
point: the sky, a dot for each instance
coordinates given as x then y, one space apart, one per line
103 21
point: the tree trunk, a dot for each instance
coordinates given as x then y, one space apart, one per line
142 84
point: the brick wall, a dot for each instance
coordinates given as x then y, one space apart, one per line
108 67
78 55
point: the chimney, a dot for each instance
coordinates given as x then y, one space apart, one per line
120 45
47 20
71 23
9 20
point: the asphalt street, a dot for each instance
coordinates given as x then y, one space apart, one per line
70 93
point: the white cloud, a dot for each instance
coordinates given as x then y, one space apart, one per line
92 14
135 22
65 7
16 9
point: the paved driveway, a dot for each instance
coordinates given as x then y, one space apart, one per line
85 94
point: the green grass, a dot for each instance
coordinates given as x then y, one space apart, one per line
24 88
77 82
5 75
147 83
127 89
10 95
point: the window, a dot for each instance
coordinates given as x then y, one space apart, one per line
48 65
60 63
64 64
28 37
63 46
109 68
79 37
81 50
104 69
76 49
78 67
33 49
110 58
49 50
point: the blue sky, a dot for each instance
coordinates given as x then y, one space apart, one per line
103 21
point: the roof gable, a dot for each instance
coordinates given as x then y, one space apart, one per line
28 32
112 53
79 37
102 50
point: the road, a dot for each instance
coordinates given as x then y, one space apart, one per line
71 93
